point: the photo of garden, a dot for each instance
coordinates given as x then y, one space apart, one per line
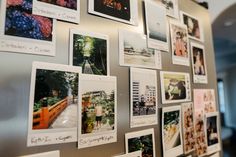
98 111
143 143
20 22
91 54
55 99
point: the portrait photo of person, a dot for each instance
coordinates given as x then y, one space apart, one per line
198 61
193 25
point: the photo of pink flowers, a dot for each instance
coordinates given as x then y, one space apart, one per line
71 4
20 22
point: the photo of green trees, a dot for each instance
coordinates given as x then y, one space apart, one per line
91 54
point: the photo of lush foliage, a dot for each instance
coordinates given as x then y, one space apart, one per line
90 53
53 86
22 23
71 4
94 103
55 99
143 143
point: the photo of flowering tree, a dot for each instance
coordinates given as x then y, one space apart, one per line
90 53
71 4
55 99
20 22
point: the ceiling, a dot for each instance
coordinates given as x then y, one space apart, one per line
224 36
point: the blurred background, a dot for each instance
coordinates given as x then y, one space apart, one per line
223 19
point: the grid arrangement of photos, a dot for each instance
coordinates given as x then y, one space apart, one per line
78 102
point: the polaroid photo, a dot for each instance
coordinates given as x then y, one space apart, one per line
212 132
141 140
204 102
156 25
19 27
54 95
198 63
133 154
188 127
133 51
97 123
179 43
118 10
45 154
194 25
175 87
171 131
172 7
66 10
89 51
143 97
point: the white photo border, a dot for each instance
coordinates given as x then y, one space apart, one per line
47 136
182 13
93 35
179 149
138 134
188 92
57 12
216 147
176 59
17 44
153 43
145 120
157 55
133 13
95 139
197 78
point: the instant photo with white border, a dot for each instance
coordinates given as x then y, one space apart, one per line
133 13
199 78
92 35
212 148
175 12
102 135
156 26
133 51
184 59
188 126
174 86
10 43
143 112
138 134
45 154
38 137
133 154
57 12
178 149
200 27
